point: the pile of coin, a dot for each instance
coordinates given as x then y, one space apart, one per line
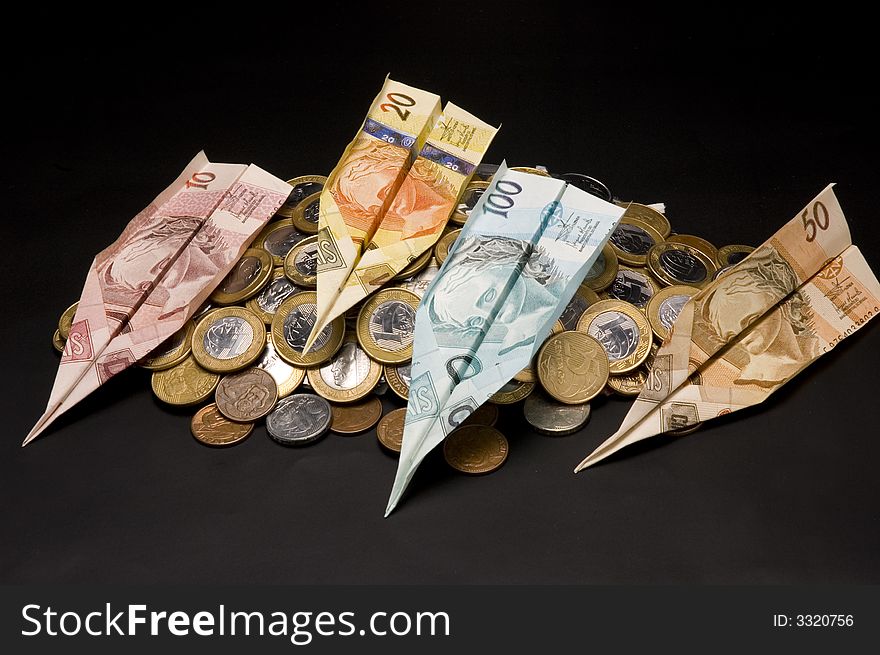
241 356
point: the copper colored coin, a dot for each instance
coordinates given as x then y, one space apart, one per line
485 414
247 396
475 449
355 417
213 429
390 429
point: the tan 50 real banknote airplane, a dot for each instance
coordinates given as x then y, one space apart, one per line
757 326
145 286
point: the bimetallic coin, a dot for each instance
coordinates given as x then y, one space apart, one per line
267 302
292 325
632 239
528 374
589 184
582 298
228 339
246 396
305 215
398 377
172 351
389 431
697 243
531 170
472 193
678 263
650 216
301 263
722 271
475 449
300 419
66 320
185 384
550 417
602 272
632 285
287 378
622 330
57 341
355 417
485 414
386 324
211 428
441 250
629 384
245 279
665 307
419 283
732 255
303 186
572 367
278 239
348 376
484 172
414 266
512 392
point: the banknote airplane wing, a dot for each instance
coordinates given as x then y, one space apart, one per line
496 299
728 312
149 282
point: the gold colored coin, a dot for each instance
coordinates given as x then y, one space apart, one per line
466 203
303 186
633 285
305 215
287 378
355 418
665 306
531 170
348 376
527 374
211 428
66 320
301 263
441 250
732 255
267 302
292 326
679 263
602 272
697 243
572 367
228 339
172 351
475 449
386 325
622 330
398 377
632 239
245 279
583 297
485 414
247 395
512 392
415 266
278 238
185 384
650 216
57 341
389 431
629 384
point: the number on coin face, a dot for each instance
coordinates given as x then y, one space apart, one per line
617 333
306 262
246 271
392 325
682 265
228 337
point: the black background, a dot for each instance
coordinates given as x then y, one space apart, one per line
734 120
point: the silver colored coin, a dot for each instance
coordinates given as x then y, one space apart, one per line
419 282
298 326
392 325
617 333
670 309
589 184
229 337
300 419
549 417
275 293
347 369
683 266
282 240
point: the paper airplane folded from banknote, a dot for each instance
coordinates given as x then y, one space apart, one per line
391 194
528 244
145 286
757 326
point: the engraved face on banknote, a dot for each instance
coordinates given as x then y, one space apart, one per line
246 271
423 202
617 333
228 337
